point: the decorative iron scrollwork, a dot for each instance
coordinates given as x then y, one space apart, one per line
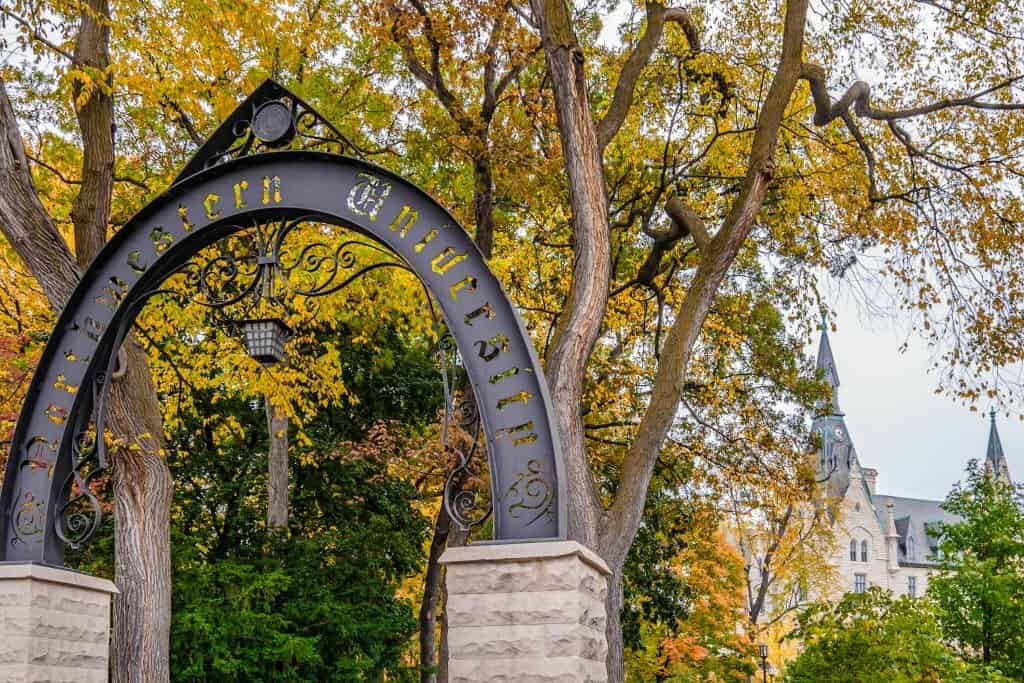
531 494
81 515
258 264
463 485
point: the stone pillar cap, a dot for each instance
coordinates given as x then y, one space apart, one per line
44 572
523 551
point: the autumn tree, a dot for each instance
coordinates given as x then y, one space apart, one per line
140 475
683 590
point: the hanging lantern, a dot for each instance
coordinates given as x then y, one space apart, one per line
265 339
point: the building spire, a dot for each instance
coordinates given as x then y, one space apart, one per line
827 364
995 460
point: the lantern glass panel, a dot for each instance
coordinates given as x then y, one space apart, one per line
265 339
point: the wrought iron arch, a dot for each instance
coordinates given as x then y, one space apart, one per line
49 444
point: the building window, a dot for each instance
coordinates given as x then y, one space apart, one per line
863 551
853 551
860 583
912 586
911 550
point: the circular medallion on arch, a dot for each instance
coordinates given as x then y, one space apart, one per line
274 124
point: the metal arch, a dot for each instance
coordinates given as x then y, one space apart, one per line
527 480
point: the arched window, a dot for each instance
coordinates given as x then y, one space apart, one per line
853 551
863 551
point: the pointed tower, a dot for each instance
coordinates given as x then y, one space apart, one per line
836 455
827 365
995 461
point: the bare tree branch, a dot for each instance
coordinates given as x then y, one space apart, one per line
184 120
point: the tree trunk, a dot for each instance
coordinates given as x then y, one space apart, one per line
143 487
613 630
456 538
91 209
611 533
432 588
142 481
580 324
483 201
277 467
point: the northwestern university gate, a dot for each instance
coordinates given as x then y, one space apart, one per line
528 605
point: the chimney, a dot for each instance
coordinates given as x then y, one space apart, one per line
870 478
892 539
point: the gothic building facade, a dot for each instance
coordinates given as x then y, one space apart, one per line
880 540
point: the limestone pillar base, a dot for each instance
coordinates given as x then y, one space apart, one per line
54 625
526 613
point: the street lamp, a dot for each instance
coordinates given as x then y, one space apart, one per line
763 651
265 339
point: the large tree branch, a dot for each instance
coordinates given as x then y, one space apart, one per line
685 223
622 100
91 209
579 325
24 221
627 509
858 96
490 100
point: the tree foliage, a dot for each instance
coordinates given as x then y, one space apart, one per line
980 586
684 598
872 636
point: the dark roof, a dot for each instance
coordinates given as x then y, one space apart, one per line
915 518
827 364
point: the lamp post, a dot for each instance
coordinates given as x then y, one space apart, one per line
763 651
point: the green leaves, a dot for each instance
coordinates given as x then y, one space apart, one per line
872 636
981 586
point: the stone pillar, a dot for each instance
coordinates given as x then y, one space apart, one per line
54 625
526 613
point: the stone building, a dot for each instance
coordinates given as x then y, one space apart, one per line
880 540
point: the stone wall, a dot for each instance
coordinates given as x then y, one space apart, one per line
54 625
526 613
857 521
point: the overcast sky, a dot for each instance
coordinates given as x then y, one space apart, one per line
919 441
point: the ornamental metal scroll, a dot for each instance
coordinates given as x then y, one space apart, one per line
54 448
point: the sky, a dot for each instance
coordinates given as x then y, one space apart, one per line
919 441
